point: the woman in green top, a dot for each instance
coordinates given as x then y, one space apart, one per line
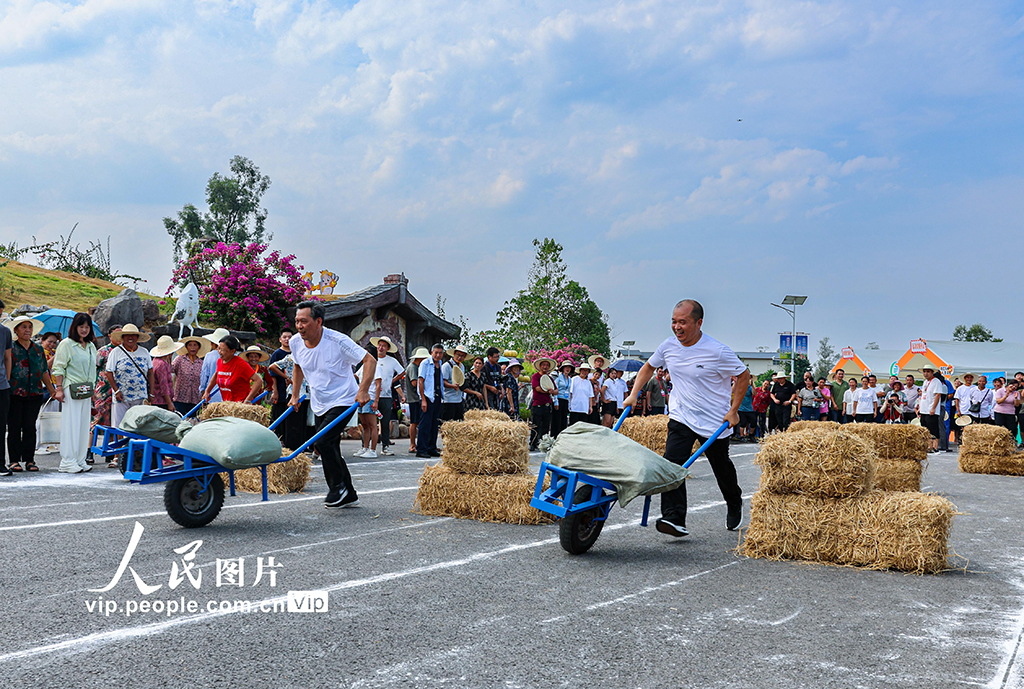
30 375
74 374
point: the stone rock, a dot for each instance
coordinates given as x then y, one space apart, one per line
28 309
150 310
125 308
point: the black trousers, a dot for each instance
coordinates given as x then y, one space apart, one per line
762 423
21 427
1007 421
276 410
336 472
559 418
779 417
678 449
295 431
5 404
864 418
540 423
577 416
386 407
426 433
452 411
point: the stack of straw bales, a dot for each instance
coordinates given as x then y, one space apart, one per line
901 450
817 502
483 473
902 453
282 477
649 431
990 450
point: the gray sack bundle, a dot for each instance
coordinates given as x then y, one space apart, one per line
152 422
234 443
602 453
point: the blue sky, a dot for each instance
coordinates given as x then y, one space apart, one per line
865 154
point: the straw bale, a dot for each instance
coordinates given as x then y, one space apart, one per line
282 477
804 425
879 530
239 410
492 414
448 493
486 446
984 439
898 474
649 431
894 440
981 463
822 462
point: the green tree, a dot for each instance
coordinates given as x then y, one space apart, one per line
550 309
234 215
826 359
974 333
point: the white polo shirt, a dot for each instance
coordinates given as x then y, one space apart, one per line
929 392
701 382
327 368
387 368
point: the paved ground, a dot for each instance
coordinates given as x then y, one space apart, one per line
425 602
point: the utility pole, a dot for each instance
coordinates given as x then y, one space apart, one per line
793 301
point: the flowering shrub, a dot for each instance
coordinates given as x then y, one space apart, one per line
240 288
573 351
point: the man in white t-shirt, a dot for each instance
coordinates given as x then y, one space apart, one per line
581 395
702 369
325 358
928 404
962 399
452 396
387 368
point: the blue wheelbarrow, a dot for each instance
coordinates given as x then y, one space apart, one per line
582 502
194 494
109 442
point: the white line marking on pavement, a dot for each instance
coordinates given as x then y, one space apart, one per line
1012 666
102 638
55 504
280 501
652 589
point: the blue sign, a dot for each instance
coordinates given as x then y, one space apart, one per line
785 344
801 345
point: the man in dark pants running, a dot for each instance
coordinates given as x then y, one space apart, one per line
701 368
324 358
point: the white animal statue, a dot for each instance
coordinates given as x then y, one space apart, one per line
186 311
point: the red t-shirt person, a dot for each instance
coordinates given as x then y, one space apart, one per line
233 379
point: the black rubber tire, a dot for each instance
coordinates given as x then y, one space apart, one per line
122 462
189 509
577 532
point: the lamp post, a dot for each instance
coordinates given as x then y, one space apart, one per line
793 301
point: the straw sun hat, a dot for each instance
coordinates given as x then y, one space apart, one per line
128 329
392 347
253 349
205 346
37 325
536 363
165 345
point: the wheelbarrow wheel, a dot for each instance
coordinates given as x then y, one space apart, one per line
189 505
122 462
577 532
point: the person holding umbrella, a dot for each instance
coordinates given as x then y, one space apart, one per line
30 376
74 377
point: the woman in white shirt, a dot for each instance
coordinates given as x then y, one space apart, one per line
581 396
865 403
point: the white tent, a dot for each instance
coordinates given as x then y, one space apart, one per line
953 358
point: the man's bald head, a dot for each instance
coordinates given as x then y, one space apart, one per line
693 307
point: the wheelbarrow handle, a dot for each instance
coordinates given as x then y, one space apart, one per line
260 396
192 412
706 445
324 431
622 417
289 410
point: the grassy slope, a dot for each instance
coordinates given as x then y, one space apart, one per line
25 284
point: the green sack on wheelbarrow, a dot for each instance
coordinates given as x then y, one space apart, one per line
152 422
629 466
234 443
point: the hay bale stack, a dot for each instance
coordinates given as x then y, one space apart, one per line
649 431
804 425
448 493
492 414
282 477
902 453
239 410
878 530
822 462
990 450
985 439
486 446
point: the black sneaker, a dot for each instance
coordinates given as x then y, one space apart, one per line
350 500
667 527
5 470
335 496
734 517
